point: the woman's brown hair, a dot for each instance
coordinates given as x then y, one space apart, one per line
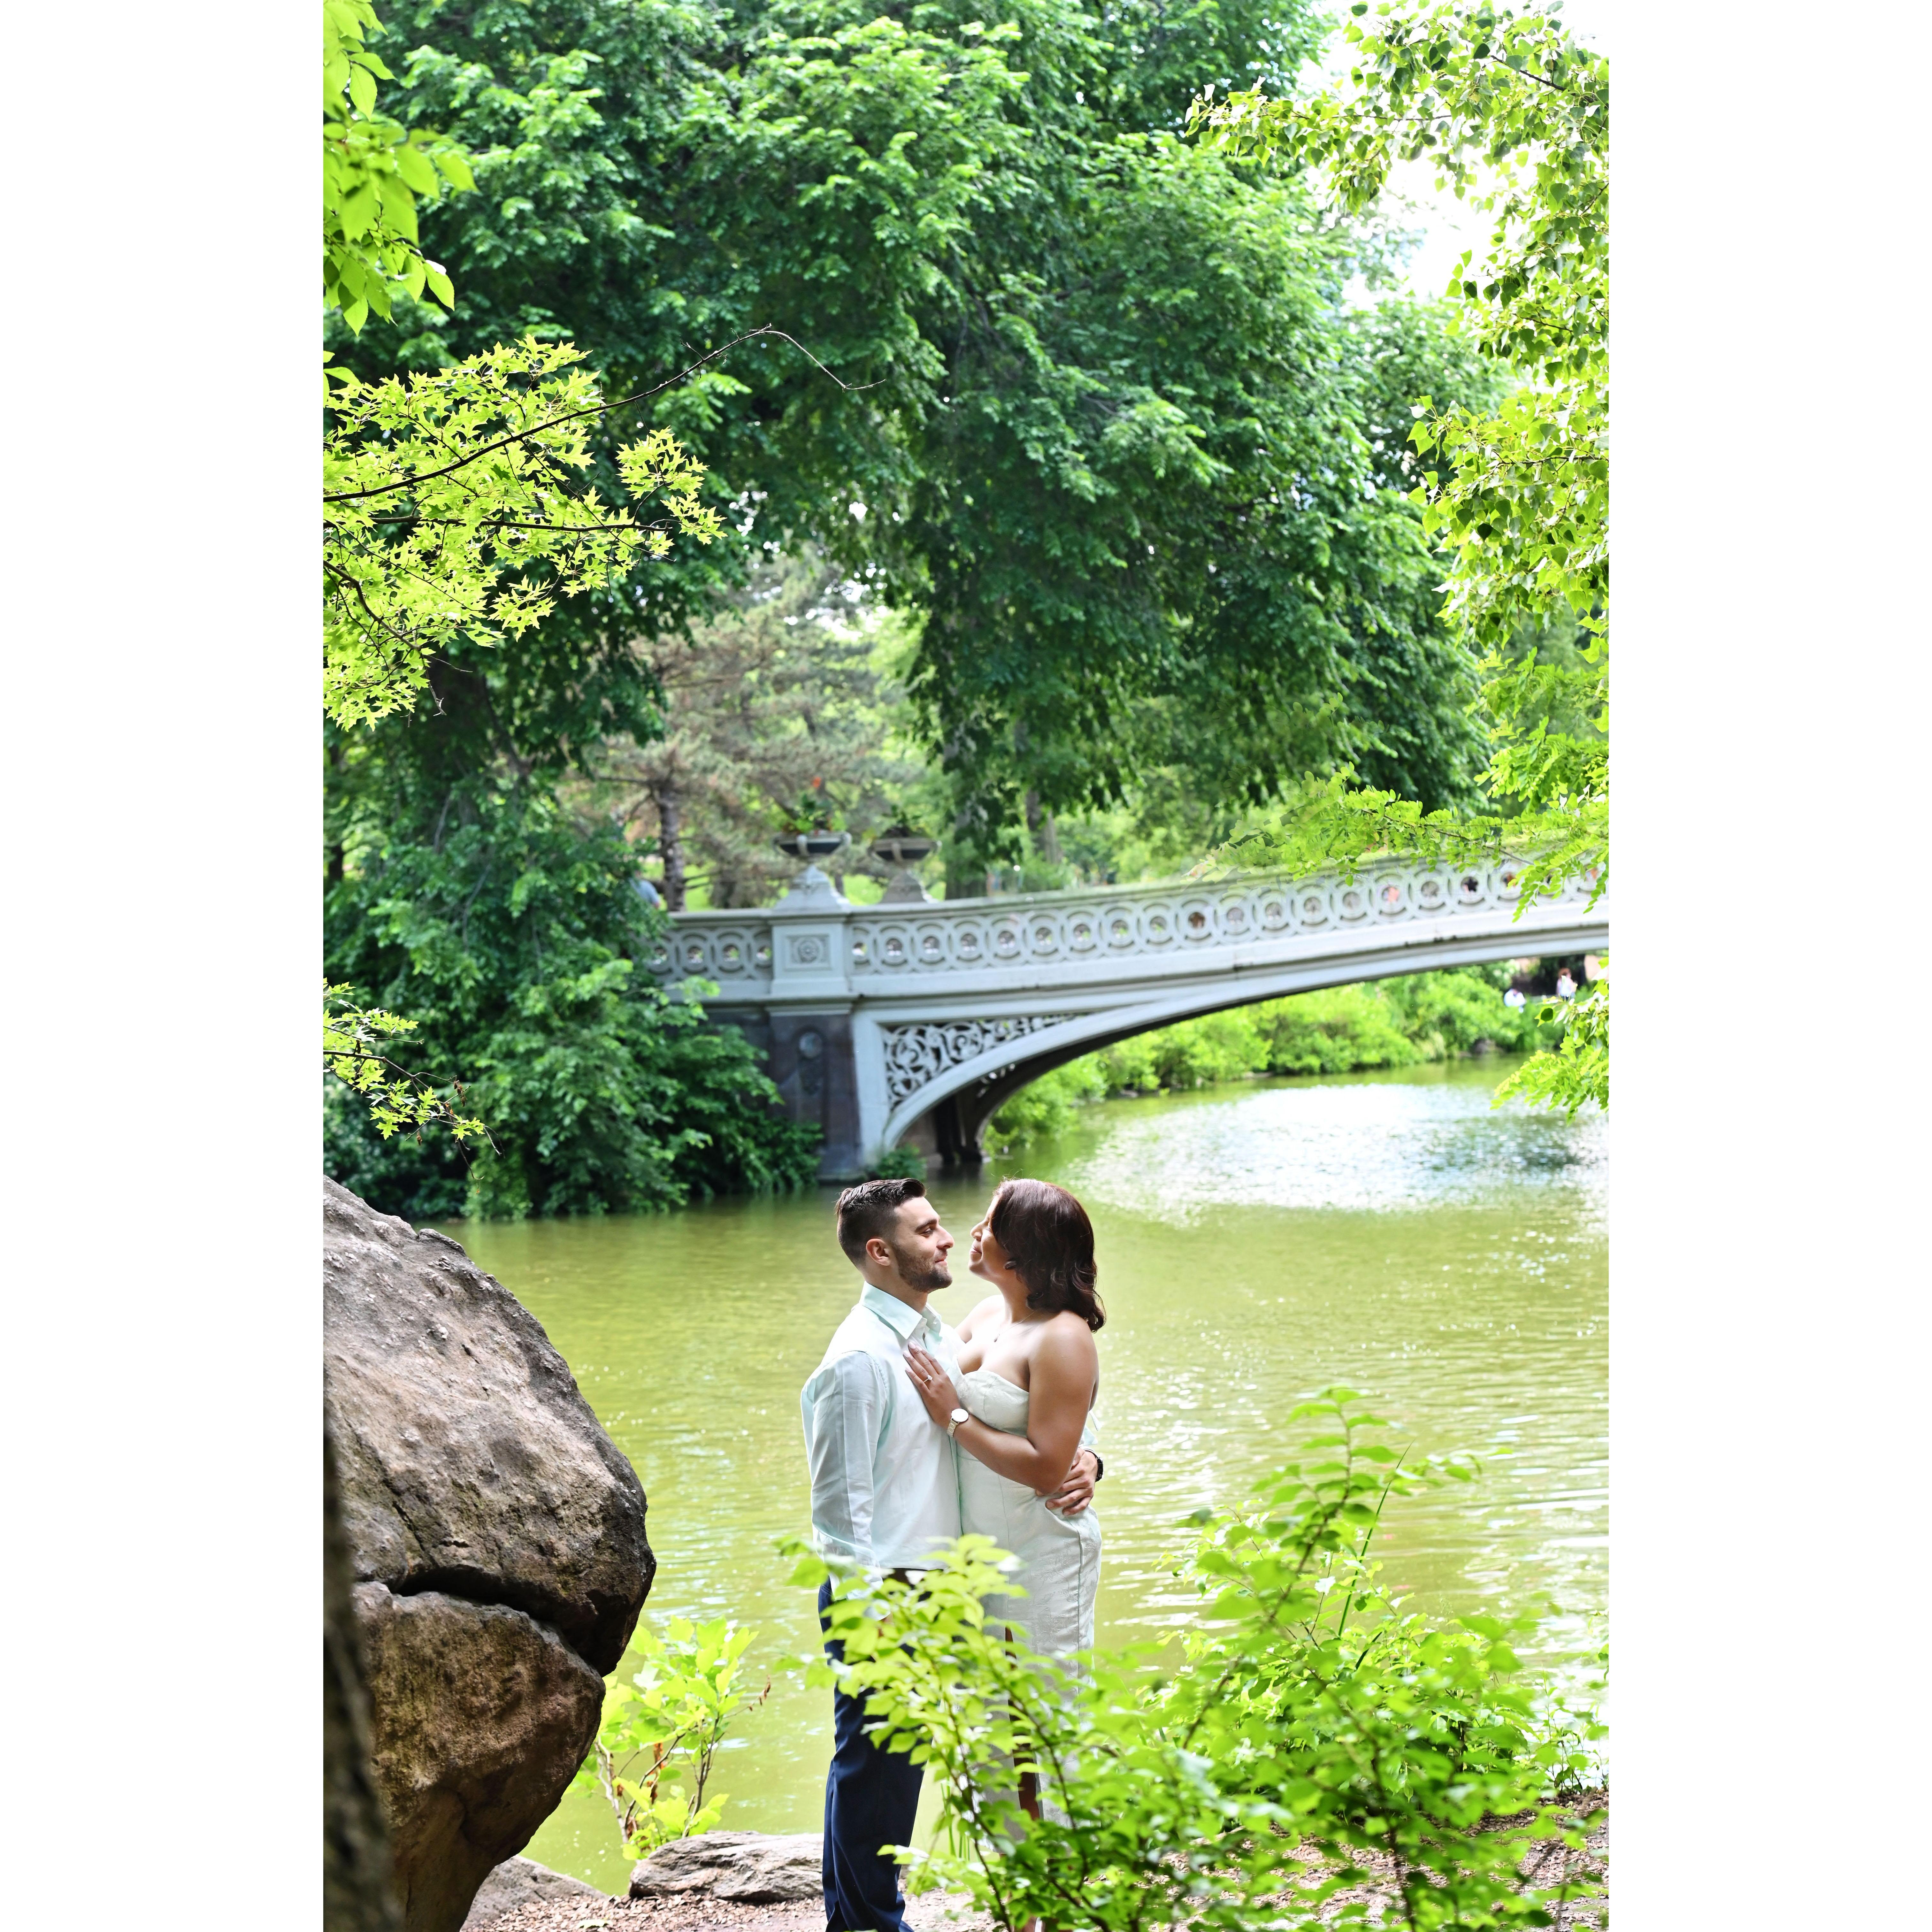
1049 1241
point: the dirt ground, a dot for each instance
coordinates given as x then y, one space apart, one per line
936 1911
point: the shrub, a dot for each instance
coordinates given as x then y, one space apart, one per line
514 943
1046 1106
1338 1030
1196 1053
1301 1743
663 1727
1446 1013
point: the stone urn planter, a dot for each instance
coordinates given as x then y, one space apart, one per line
905 849
813 847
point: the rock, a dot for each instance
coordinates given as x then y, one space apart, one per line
520 1881
359 1893
497 1538
480 1716
469 1462
746 1867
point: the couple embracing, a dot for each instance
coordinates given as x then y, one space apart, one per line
918 1433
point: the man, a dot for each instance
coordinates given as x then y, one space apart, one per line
885 1496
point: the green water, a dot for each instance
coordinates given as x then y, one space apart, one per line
1390 1232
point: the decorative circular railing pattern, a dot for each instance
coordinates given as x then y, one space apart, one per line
1084 932
735 953
1169 920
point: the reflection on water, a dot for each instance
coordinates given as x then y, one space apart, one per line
1392 1232
1380 1144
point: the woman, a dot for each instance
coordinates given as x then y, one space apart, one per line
1030 1374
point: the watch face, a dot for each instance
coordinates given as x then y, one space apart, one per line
960 1415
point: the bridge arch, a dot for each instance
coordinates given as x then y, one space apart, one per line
948 1117
890 1021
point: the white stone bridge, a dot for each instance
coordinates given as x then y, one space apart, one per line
912 1022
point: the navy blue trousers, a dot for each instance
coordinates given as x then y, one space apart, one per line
871 1798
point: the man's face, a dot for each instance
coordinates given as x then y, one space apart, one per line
920 1245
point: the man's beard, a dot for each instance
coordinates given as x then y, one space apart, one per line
923 1278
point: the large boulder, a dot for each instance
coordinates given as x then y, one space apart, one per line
742 1868
496 1537
358 1892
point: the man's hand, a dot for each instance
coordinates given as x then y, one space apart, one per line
1077 1492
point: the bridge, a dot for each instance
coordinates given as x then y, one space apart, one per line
911 1023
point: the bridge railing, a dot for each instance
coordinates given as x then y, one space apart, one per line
872 948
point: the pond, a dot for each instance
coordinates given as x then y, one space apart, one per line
1390 1232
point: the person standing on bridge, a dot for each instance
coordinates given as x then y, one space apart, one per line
885 1497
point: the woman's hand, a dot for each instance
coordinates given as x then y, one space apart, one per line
934 1385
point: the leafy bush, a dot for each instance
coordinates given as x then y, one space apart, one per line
898 1163
511 940
1196 1053
1447 1013
666 1725
1048 1105
1302 1746
1337 1029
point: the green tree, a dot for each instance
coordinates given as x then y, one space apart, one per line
774 709
1515 113
372 172
1108 445
510 928
511 932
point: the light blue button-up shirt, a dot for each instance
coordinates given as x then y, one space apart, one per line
885 1476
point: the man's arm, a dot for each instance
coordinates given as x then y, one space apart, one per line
847 1405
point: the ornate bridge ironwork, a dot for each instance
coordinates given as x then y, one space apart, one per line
886 1023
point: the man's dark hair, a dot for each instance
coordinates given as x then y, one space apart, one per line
870 1209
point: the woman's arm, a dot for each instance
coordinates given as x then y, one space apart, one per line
1061 1386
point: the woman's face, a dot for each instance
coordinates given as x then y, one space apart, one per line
987 1259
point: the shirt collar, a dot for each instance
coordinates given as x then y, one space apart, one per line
903 1320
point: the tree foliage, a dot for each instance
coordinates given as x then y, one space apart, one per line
1106 441
373 171
437 488
510 931
776 716
1515 114
399 1101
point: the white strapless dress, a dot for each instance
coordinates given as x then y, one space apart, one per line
1058 1557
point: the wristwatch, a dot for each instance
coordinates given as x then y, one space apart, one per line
953 1420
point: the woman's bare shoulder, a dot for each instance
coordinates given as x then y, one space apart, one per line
1069 1338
